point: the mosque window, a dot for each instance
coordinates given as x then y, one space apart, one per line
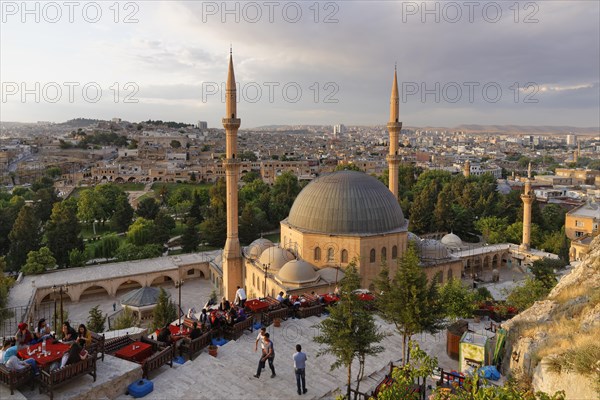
394 252
330 254
372 256
317 254
344 256
383 254
449 274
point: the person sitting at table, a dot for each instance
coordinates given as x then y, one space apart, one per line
204 319
43 330
9 349
286 300
241 316
231 317
14 364
23 336
72 356
195 332
191 314
68 333
224 305
280 297
165 335
84 337
296 307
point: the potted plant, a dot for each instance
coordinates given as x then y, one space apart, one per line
212 350
277 322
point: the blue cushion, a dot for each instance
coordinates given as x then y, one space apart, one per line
140 388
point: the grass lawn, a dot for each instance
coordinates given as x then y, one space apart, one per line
173 186
131 186
87 231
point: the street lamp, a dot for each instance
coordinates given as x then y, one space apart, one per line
178 285
54 297
61 289
266 267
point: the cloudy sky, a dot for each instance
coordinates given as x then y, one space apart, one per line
478 62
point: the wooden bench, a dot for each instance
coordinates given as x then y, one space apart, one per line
111 346
98 341
283 313
157 360
14 379
195 346
304 312
51 380
235 331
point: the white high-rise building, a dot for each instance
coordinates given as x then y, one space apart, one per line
571 140
338 129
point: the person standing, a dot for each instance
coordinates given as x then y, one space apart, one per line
240 297
300 369
268 355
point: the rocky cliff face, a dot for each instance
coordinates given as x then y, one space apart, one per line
556 342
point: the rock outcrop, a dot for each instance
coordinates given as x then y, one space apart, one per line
555 341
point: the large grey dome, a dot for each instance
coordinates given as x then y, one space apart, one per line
346 203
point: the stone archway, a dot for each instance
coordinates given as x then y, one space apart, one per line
162 280
495 264
92 291
127 286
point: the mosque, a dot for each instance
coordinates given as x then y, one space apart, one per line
338 218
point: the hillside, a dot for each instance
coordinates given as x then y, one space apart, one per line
555 342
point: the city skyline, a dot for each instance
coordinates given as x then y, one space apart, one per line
171 59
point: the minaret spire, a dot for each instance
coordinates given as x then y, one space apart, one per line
232 256
394 127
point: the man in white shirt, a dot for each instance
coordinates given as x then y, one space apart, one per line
240 297
300 369
260 338
280 297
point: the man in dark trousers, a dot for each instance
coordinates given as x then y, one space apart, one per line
300 369
267 354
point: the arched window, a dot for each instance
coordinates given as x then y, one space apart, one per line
383 254
317 254
372 256
330 254
344 256
449 274
394 252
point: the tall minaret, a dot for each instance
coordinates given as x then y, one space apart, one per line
529 171
527 198
394 127
232 256
467 169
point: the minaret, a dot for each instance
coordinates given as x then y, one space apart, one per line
232 256
394 127
467 169
527 198
529 171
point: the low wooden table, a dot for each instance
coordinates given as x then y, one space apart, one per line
256 306
136 352
54 353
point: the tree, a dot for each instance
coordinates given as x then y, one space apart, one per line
443 214
125 319
175 144
420 368
284 192
164 312
553 217
8 216
77 258
523 297
96 320
122 216
5 285
190 238
62 231
197 207
142 232
44 201
348 167
458 301
350 332
147 208
163 226
408 301
493 229
90 207
25 236
543 271
107 247
421 210
253 221
38 261
128 251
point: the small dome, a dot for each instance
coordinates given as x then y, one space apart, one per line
297 271
432 249
145 296
452 240
412 237
331 274
256 248
275 257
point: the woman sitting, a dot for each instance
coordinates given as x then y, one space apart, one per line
164 335
74 355
68 333
43 330
84 337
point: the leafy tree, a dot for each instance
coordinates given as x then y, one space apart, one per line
8 215
125 320
420 368
250 177
514 233
147 208
421 210
44 201
175 144
493 229
62 231
121 218
553 217
350 331
25 236
107 247
90 207
543 271
128 251
38 261
408 301
96 320
214 229
442 213
142 232
523 297
284 192
348 167
197 207
165 311
163 226
77 258
5 285
253 221
458 300
190 238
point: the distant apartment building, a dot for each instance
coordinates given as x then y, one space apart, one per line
338 129
571 140
581 226
478 170
202 125
580 176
